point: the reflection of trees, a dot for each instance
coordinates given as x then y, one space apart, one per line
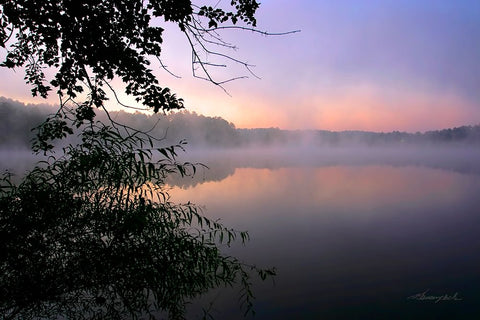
93 235
216 169
223 163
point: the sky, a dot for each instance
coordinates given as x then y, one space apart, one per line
379 65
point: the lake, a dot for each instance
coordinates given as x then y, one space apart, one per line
353 234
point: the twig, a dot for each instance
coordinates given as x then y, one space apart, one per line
166 69
120 103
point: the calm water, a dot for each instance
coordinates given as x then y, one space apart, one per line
351 241
352 233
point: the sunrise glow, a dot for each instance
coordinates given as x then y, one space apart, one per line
395 65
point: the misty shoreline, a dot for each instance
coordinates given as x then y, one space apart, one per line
17 120
220 146
221 163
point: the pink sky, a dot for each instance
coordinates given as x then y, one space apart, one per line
369 65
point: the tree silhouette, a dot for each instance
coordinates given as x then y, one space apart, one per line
91 42
91 233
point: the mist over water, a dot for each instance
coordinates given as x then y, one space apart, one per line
17 161
357 223
352 241
354 232
223 163
209 133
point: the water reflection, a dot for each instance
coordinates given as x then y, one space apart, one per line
353 233
358 191
354 241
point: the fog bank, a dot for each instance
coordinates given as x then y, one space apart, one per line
202 132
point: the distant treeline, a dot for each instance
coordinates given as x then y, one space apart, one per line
17 120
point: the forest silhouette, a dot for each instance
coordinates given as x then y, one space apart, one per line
201 131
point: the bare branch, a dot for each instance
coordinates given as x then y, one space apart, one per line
166 69
196 58
265 33
122 104
198 35
130 131
197 25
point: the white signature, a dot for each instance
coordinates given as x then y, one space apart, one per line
423 296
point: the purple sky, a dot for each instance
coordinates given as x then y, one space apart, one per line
361 65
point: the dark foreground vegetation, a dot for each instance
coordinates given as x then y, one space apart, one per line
92 234
90 231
